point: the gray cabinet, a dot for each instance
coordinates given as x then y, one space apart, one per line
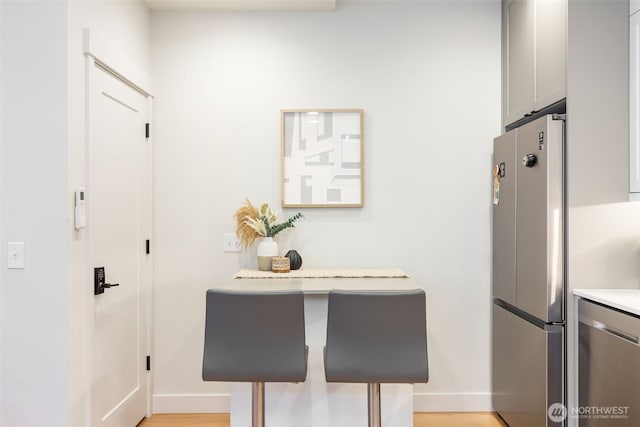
534 56
518 67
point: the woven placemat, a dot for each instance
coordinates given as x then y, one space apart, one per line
323 273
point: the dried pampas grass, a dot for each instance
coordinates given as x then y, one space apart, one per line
244 215
253 223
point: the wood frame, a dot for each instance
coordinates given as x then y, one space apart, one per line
288 122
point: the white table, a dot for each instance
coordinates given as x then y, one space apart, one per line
316 403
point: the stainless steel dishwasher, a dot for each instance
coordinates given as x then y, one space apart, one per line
609 367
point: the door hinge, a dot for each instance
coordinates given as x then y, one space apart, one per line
558 116
148 247
146 130
148 362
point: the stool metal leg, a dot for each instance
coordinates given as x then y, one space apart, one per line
257 405
373 394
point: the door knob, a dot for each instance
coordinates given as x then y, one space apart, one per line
529 160
100 281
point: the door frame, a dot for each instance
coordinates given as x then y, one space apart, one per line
97 52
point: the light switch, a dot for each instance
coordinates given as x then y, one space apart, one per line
15 255
232 243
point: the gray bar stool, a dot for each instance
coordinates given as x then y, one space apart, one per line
255 337
376 337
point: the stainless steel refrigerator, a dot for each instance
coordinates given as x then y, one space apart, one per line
529 362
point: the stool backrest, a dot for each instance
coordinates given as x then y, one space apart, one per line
254 337
377 337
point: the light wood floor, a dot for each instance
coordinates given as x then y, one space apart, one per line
431 419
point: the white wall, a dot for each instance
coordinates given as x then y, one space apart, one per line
1 204
598 102
605 246
33 308
123 27
428 78
44 307
604 229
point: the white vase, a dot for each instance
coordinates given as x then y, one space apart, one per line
267 249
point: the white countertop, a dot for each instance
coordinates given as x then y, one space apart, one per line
623 299
321 285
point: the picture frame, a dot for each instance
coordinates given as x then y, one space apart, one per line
322 158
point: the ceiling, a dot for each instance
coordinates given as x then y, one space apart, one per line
256 5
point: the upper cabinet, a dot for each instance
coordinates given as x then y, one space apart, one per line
550 52
534 56
634 6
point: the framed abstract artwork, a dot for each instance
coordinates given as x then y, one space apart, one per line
322 158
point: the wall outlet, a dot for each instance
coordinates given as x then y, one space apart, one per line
232 243
15 255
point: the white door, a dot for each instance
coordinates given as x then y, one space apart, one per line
118 218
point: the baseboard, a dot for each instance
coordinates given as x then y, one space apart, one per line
452 402
191 403
220 403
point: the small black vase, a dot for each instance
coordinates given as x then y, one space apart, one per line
295 260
